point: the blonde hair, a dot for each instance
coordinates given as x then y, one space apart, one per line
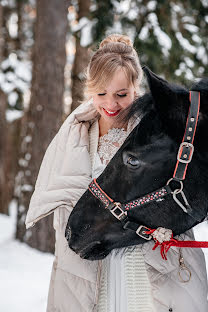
115 51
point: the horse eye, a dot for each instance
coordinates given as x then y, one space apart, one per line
133 161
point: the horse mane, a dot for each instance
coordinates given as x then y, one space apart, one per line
138 109
145 104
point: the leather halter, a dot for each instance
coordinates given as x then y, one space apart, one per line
185 153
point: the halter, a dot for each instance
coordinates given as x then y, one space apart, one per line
184 157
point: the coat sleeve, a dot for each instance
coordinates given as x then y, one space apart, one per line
55 186
44 199
65 171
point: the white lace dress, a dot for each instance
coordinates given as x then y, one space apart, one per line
120 271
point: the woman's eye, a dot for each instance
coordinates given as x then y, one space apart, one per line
101 94
122 95
133 161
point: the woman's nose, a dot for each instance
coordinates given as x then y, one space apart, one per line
111 104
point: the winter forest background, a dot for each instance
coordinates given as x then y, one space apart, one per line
45 47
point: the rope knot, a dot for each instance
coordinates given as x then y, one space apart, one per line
163 238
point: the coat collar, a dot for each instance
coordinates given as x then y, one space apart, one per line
85 112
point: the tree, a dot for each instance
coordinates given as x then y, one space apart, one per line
3 140
14 82
82 56
169 36
44 116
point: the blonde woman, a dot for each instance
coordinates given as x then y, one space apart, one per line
82 148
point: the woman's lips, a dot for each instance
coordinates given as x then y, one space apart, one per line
111 113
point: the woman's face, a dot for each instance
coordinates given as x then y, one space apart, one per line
117 96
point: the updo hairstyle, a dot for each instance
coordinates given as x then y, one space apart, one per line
115 51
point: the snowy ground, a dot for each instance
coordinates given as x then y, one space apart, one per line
25 272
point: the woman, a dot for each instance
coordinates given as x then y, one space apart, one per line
125 281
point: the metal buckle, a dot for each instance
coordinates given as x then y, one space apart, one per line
180 204
186 144
117 206
142 233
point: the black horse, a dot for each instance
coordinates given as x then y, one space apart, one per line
143 164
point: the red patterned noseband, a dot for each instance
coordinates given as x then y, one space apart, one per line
109 203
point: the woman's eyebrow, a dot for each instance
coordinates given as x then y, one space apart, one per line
121 90
118 90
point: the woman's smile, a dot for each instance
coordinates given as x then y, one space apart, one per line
111 113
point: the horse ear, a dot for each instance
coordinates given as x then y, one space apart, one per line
202 87
171 102
152 78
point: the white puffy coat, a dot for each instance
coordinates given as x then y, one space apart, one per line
64 175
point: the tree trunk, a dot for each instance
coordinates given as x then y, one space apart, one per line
1 32
11 159
2 122
81 60
44 116
3 143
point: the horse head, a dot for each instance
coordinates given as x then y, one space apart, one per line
143 164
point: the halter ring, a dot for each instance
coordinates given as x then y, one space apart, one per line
176 191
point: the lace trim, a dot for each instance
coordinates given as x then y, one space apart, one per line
109 143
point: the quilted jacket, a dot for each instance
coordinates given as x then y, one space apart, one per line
64 176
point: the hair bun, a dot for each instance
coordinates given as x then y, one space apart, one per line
116 38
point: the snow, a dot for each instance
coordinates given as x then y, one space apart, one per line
12 25
12 115
19 77
202 55
144 33
204 3
25 272
189 62
15 75
163 39
185 43
133 11
12 98
117 6
22 162
124 6
28 138
151 5
86 33
27 188
85 27
115 29
196 39
191 28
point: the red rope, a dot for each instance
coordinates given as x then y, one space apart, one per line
166 245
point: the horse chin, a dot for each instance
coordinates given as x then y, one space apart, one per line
95 253
92 257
